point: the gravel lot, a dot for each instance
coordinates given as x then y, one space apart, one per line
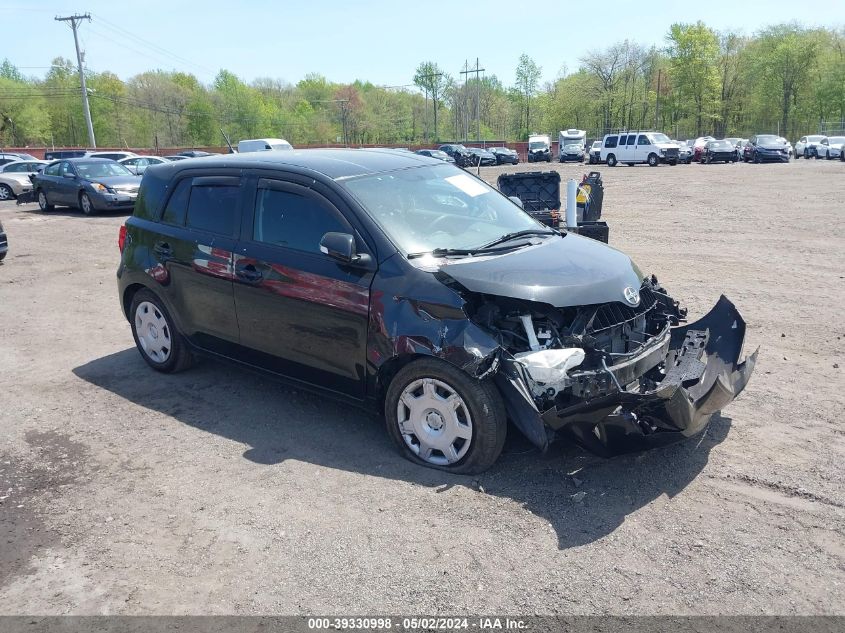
123 491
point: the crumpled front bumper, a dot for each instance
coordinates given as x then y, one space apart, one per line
703 374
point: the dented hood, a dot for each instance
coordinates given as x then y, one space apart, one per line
561 271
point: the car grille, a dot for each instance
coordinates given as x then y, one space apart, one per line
609 315
672 152
127 190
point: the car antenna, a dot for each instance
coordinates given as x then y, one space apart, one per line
232 150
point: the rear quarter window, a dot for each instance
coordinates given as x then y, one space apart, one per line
177 204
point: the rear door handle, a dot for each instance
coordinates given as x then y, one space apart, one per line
163 249
249 273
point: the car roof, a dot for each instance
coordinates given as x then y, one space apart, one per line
333 163
85 159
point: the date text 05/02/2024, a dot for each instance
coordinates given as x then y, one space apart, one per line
416 623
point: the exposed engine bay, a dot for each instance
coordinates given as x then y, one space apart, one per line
614 376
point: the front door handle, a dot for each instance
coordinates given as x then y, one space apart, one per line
163 249
249 273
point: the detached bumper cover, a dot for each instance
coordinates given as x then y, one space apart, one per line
703 374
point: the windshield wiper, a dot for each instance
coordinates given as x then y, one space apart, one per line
507 237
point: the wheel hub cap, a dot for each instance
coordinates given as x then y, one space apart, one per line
153 332
434 421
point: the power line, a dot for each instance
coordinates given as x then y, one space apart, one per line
183 60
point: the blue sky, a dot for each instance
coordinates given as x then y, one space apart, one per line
380 41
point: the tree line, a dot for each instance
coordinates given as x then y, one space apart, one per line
785 79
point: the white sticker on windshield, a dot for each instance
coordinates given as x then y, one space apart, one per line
467 184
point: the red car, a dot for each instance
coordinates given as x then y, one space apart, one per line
698 147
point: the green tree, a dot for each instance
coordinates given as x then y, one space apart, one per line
527 78
786 53
431 79
694 52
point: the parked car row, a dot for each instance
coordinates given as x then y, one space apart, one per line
819 146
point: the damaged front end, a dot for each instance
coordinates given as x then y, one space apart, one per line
614 378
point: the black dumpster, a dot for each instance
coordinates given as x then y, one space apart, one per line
539 192
540 196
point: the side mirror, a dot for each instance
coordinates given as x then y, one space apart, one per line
516 201
341 247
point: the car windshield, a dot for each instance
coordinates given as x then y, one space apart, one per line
572 146
438 207
436 153
767 138
720 145
281 146
836 139
538 145
659 138
596 144
814 139
101 170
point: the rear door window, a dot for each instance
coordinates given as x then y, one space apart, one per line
213 205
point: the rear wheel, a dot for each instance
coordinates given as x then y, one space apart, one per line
160 344
611 160
42 201
443 418
6 192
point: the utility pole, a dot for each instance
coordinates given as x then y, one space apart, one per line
477 70
74 21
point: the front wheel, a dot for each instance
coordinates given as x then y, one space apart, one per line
443 418
653 160
611 160
85 204
6 192
160 344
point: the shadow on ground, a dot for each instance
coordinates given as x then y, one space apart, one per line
281 423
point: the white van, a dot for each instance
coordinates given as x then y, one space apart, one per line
263 145
630 148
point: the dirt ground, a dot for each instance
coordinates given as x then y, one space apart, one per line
123 491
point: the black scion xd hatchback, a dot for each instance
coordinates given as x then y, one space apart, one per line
407 285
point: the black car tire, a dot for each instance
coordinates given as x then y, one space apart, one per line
6 193
653 160
611 160
806 154
42 201
827 155
85 204
756 158
180 356
672 163
482 400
